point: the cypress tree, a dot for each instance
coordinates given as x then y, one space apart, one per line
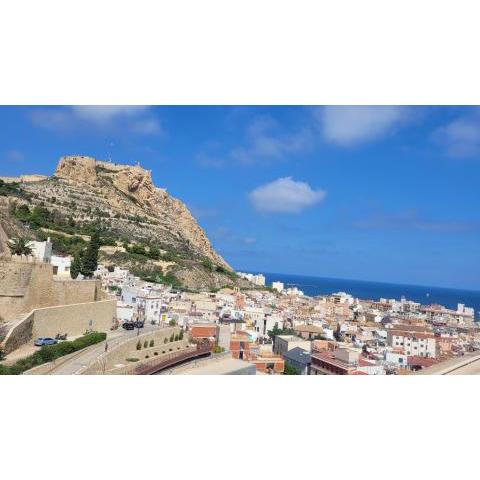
76 266
90 257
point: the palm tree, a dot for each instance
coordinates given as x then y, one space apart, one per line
20 246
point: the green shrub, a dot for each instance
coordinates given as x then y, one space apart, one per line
176 338
139 345
152 343
172 337
49 353
145 344
180 335
165 340
132 359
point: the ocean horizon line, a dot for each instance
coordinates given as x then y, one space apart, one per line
299 275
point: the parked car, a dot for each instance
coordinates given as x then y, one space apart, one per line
139 324
128 325
41 341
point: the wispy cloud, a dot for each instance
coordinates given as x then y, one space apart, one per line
461 137
412 220
352 125
134 118
265 140
285 195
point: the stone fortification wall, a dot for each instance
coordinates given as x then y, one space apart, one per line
71 319
27 286
19 334
23 287
24 179
75 319
67 292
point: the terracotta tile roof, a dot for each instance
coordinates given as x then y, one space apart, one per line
308 329
421 361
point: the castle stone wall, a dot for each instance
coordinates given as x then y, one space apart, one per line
71 319
27 286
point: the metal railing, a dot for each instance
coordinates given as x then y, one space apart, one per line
171 360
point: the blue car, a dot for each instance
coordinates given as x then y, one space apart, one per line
41 341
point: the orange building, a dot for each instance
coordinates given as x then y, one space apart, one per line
204 331
240 346
269 364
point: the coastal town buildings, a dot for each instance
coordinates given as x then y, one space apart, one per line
282 330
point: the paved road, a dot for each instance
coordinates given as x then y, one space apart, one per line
89 355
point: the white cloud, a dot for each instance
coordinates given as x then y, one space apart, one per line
135 118
285 195
461 138
352 125
265 140
104 114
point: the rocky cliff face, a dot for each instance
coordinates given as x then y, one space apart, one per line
123 200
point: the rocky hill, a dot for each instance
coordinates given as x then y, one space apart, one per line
123 202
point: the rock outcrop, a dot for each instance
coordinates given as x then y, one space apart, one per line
123 200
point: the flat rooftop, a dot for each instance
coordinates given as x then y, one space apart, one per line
224 366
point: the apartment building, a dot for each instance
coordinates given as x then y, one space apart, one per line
421 344
284 343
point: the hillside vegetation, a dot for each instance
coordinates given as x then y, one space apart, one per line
141 227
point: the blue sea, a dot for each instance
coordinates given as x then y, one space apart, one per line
449 297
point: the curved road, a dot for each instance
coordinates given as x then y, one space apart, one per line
86 357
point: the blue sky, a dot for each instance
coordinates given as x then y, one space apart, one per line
374 193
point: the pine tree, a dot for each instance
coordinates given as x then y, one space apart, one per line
90 257
76 266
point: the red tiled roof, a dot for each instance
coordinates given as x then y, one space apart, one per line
365 363
421 361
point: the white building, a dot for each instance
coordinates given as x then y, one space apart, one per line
397 359
124 312
61 265
278 286
256 279
284 343
294 292
413 343
42 251
267 322
150 308
462 309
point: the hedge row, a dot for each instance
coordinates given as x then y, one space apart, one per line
52 352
